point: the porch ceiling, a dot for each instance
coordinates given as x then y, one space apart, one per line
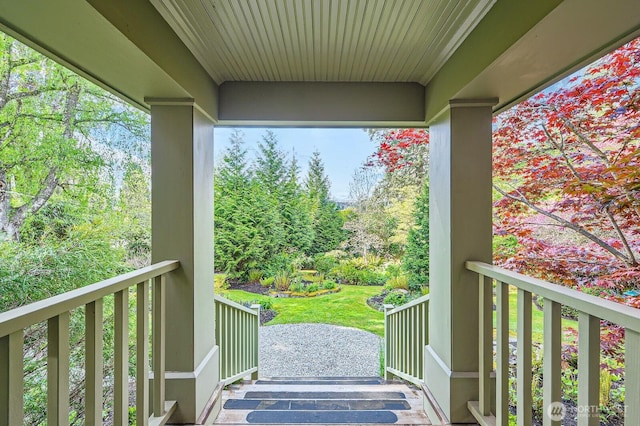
322 40
323 62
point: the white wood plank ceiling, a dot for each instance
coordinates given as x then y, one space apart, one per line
322 40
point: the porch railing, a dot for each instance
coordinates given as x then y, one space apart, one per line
590 309
406 333
56 312
237 337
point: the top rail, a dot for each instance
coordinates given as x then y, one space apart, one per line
411 304
33 313
231 303
618 313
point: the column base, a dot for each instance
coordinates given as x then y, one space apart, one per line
193 390
451 390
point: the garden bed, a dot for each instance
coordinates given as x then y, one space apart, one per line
300 294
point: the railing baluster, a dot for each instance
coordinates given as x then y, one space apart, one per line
387 341
93 363
524 375
502 354
486 343
158 344
588 369
632 377
142 353
552 392
58 370
11 379
121 358
256 340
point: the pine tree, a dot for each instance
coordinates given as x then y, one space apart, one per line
317 182
327 222
416 258
271 165
295 212
270 173
239 213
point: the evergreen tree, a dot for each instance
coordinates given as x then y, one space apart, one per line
271 165
270 172
240 210
295 212
317 182
326 219
416 258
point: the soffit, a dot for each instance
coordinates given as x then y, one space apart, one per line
322 40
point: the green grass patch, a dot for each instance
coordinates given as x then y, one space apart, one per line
537 320
347 308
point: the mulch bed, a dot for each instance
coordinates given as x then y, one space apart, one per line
256 288
377 302
266 315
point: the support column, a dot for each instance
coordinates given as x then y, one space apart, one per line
460 230
182 229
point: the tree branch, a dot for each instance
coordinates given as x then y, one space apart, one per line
616 253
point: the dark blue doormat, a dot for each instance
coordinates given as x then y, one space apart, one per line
321 417
324 395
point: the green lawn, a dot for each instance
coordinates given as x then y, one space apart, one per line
537 319
347 308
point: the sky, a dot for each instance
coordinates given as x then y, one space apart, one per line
341 150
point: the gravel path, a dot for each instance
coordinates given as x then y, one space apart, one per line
299 350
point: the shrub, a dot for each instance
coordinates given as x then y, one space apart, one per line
312 288
255 275
395 298
328 284
278 263
296 287
369 277
282 281
399 281
266 282
324 264
393 270
220 282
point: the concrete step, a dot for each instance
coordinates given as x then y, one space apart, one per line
322 400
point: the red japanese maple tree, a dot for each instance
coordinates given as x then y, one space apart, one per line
569 159
566 177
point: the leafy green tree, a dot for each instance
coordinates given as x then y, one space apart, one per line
416 258
135 212
57 131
